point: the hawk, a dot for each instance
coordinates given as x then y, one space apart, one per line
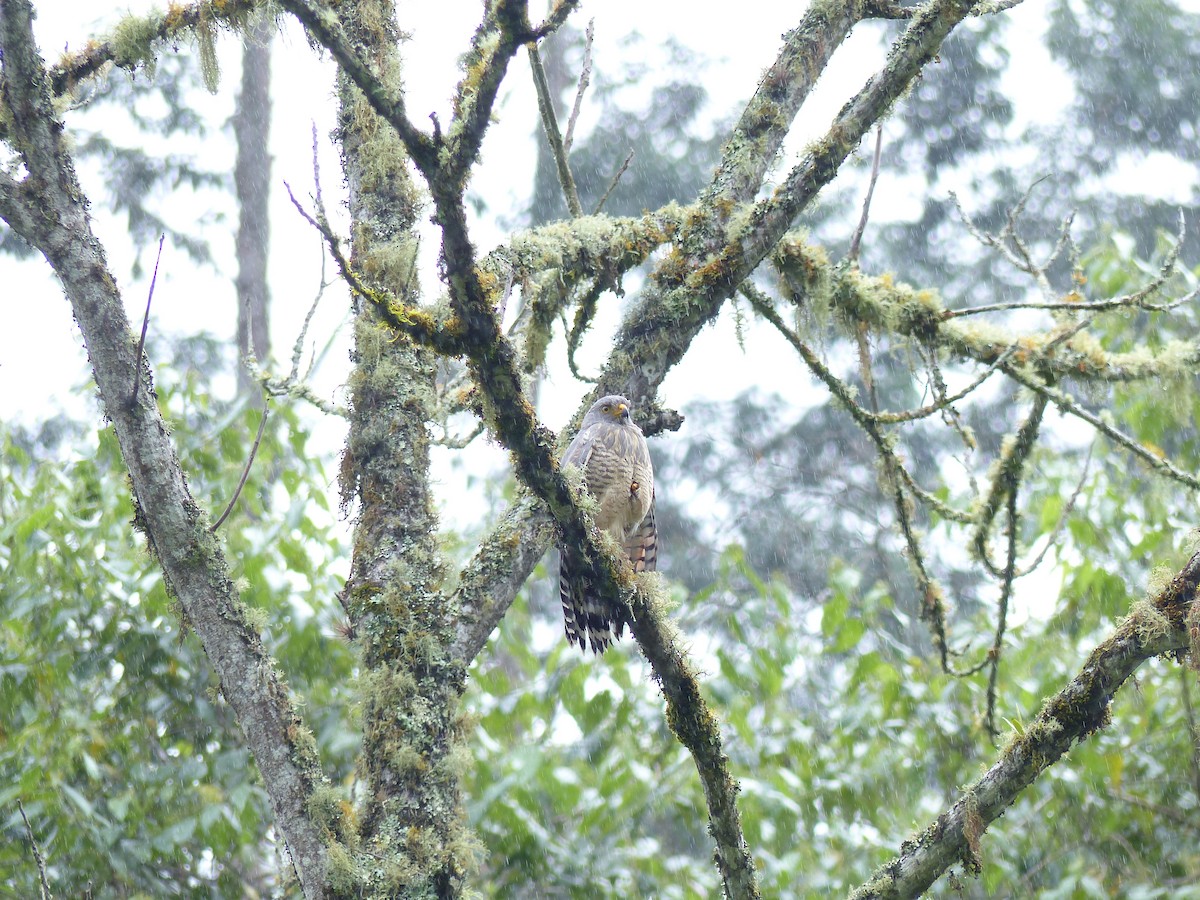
612 454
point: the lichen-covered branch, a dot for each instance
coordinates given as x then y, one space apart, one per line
495 369
1155 628
500 565
412 817
504 29
551 261
768 117
1032 360
325 27
193 564
135 38
691 285
897 308
1005 480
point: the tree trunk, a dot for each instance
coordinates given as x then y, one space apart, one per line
410 762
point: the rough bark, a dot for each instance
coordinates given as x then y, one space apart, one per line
50 211
1080 709
412 753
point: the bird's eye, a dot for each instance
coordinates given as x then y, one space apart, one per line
607 408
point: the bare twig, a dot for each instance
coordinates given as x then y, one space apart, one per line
458 443
1006 584
262 426
137 376
945 401
1136 300
856 240
37 854
585 78
298 347
550 125
1125 302
612 185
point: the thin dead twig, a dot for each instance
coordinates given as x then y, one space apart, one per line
856 240
585 78
262 426
612 185
137 371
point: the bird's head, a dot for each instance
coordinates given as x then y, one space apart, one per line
613 408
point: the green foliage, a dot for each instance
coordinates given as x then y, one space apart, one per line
112 730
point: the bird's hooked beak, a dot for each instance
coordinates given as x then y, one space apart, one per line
622 412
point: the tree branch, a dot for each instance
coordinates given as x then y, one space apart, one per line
494 367
553 135
689 292
44 885
135 37
499 567
325 28
899 309
1076 712
193 565
651 327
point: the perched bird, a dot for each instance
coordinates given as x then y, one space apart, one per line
612 454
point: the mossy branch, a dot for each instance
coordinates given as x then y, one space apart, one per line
504 29
416 323
691 285
324 27
768 117
895 308
1006 480
135 38
194 566
1080 709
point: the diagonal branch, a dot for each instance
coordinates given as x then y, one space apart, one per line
499 567
193 564
690 292
558 147
494 367
323 25
1076 712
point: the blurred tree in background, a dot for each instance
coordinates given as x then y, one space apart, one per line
849 584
